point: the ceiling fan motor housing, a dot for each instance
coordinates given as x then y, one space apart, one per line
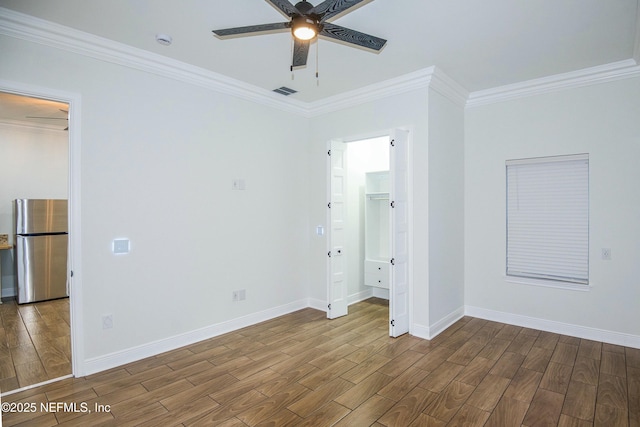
303 7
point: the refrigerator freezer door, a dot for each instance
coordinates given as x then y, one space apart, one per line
40 216
41 263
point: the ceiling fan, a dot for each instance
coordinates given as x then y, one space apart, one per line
54 118
306 22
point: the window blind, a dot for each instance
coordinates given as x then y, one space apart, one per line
548 218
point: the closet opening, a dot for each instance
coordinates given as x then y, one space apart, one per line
368 241
368 232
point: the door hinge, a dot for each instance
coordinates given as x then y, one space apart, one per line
71 273
329 254
393 142
329 153
393 204
393 261
329 306
393 322
329 205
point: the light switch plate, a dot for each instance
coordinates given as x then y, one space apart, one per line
238 184
121 246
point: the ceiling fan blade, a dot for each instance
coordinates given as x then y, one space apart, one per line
251 30
330 8
47 118
347 35
300 52
284 7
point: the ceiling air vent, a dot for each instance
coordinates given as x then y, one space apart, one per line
285 91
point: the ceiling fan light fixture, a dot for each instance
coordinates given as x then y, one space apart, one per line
304 28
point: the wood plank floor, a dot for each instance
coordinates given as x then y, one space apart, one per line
304 370
35 342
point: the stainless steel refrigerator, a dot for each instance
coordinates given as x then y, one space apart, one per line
41 244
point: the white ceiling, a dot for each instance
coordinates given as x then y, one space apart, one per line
479 44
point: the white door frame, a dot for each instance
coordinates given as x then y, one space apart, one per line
387 133
75 287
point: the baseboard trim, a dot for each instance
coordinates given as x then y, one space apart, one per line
317 304
610 337
119 358
430 332
419 331
360 296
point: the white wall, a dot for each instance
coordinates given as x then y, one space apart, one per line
34 164
446 212
602 120
158 157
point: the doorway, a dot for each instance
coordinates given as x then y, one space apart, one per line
38 339
368 232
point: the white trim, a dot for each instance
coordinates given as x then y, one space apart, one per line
449 88
448 320
317 304
588 76
430 332
408 82
75 240
419 331
29 387
530 281
578 331
381 293
359 296
636 46
119 358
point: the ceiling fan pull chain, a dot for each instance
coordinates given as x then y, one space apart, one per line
317 62
292 50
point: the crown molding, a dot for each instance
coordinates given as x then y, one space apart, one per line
431 77
585 77
405 83
26 27
449 88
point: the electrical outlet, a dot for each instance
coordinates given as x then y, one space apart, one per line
238 184
107 321
606 254
239 295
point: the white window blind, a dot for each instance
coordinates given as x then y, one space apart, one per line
548 218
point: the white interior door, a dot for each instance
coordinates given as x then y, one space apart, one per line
399 196
337 274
